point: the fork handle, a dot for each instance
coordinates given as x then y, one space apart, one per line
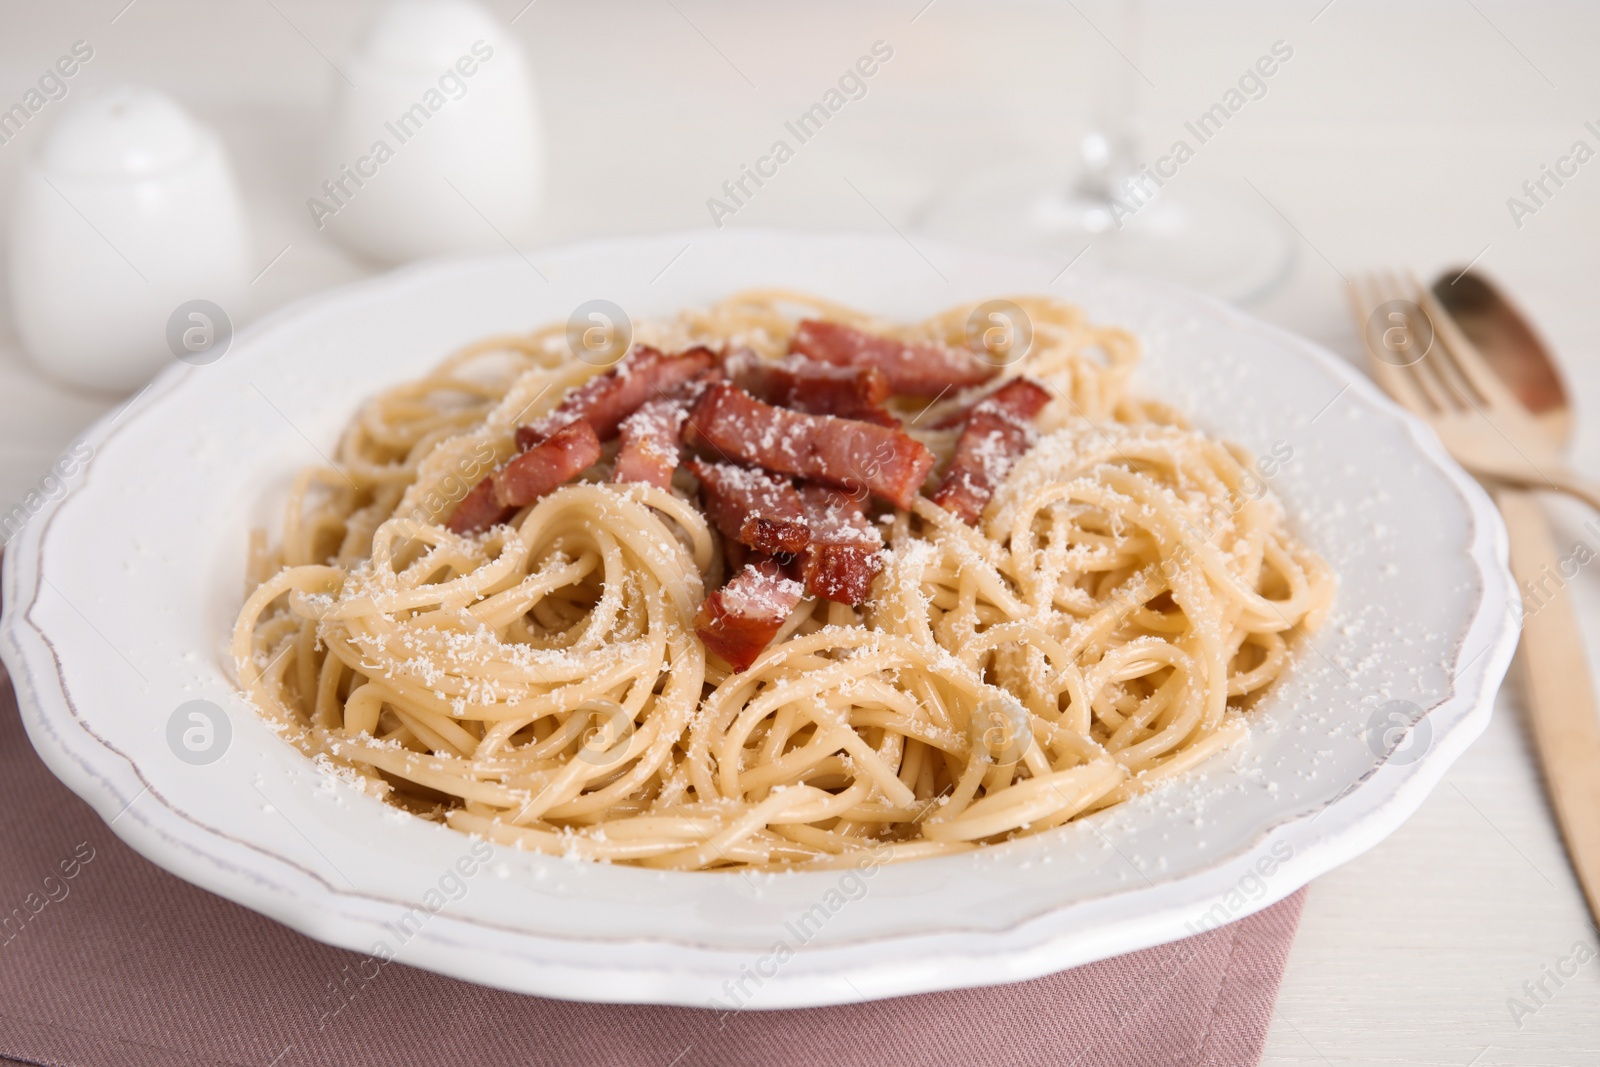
1558 693
1573 484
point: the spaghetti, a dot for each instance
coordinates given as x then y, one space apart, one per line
1103 624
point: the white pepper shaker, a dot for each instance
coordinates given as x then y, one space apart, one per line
127 219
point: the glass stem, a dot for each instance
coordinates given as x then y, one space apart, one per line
1109 149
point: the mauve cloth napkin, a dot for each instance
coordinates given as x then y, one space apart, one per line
107 959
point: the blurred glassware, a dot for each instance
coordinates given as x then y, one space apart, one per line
435 144
128 212
1207 234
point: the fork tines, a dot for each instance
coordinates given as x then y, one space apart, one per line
1413 349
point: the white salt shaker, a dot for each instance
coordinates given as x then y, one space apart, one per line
127 220
434 145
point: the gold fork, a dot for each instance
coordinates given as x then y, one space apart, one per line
1419 356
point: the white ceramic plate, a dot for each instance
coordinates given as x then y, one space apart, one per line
119 598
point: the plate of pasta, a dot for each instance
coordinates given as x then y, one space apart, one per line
806 621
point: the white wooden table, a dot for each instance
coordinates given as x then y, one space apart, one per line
1395 137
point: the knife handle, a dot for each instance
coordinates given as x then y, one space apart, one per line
1558 693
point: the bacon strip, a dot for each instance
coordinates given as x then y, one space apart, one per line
479 510
845 553
739 620
804 384
605 400
842 452
753 507
914 369
996 433
651 444
552 462
1021 398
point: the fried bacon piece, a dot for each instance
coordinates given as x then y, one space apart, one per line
842 452
605 400
753 507
651 443
479 510
804 384
740 619
652 436
915 369
845 553
552 462
997 431
1021 398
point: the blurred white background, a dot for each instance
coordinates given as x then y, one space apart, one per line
1394 138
